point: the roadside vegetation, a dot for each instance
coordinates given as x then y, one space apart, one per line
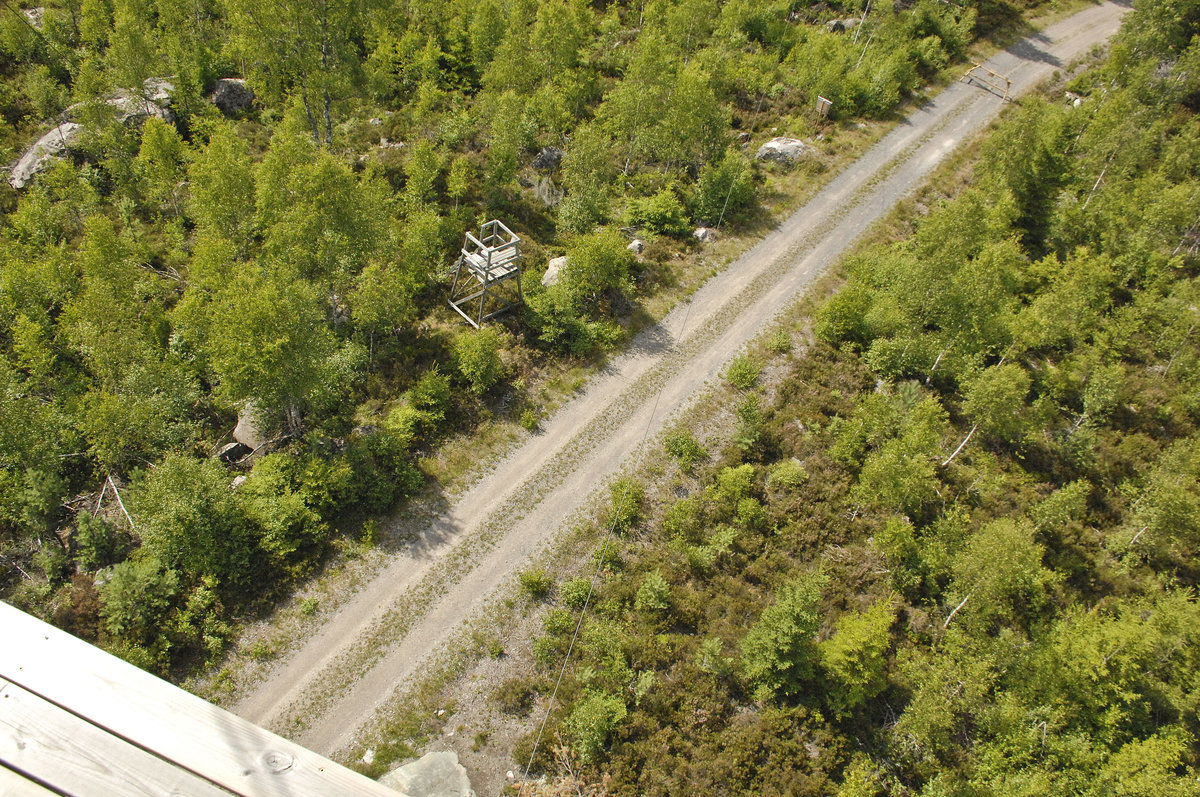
286 263
952 549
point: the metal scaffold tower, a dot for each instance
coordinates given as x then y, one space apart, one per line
487 276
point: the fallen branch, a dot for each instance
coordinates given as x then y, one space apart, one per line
120 503
950 458
956 608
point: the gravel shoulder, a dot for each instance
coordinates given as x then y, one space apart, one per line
389 633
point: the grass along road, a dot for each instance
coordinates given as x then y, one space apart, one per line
333 684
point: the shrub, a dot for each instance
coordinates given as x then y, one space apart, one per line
743 372
189 518
654 595
535 584
531 418
779 650
96 543
575 592
780 341
515 696
627 497
725 191
592 721
685 449
597 262
134 603
788 474
661 213
477 357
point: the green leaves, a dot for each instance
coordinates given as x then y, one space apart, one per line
853 659
779 652
591 722
188 517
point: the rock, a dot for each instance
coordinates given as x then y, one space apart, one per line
549 193
36 16
637 246
153 100
369 757
841 25
247 431
705 235
375 121
231 95
45 151
553 271
238 481
783 150
548 159
232 452
431 775
743 138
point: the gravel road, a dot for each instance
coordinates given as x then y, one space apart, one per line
326 690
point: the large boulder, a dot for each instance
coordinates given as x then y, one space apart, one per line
548 159
431 775
247 430
705 235
841 25
36 16
153 100
45 151
554 271
135 106
783 150
231 95
637 246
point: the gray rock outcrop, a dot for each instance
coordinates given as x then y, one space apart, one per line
637 246
36 16
548 159
231 95
45 151
431 775
153 100
705 235
554 271
783 150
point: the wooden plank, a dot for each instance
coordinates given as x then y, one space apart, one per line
166 720
76 757
14 784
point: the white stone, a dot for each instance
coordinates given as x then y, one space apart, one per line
705 235
247 432
45 151
554 271
783 150
432 775
369 757
637 246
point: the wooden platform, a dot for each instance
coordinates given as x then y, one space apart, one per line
78 721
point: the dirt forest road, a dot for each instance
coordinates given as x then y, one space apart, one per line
384 637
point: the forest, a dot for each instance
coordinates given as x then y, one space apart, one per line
253 221
952 550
